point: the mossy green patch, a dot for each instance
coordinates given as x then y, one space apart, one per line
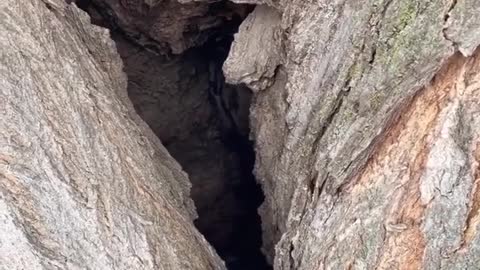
407 13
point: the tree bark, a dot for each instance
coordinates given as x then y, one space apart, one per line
367 139
84 184
365 116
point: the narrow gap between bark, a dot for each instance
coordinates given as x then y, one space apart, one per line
203 122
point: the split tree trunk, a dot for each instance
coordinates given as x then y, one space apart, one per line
366 120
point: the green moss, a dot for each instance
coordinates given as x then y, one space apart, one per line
400 36
407 13
354 72
376 100
348 115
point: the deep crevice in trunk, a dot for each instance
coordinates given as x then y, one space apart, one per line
203 122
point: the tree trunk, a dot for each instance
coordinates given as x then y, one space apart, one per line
367 138
365 118
84 183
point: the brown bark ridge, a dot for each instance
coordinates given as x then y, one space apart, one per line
367 134
83 182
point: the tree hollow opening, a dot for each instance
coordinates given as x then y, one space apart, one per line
204 123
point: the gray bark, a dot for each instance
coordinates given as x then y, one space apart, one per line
366 121
360 169
84 184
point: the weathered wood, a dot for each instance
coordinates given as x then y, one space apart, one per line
362 165
83 182
366 120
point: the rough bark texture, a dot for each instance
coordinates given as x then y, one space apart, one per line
84 184
366 121
366 164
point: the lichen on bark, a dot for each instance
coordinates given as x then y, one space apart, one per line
365 119
347 72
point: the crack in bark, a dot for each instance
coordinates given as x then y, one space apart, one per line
446 19
375 27
473 216
329 120
339 100
50 5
